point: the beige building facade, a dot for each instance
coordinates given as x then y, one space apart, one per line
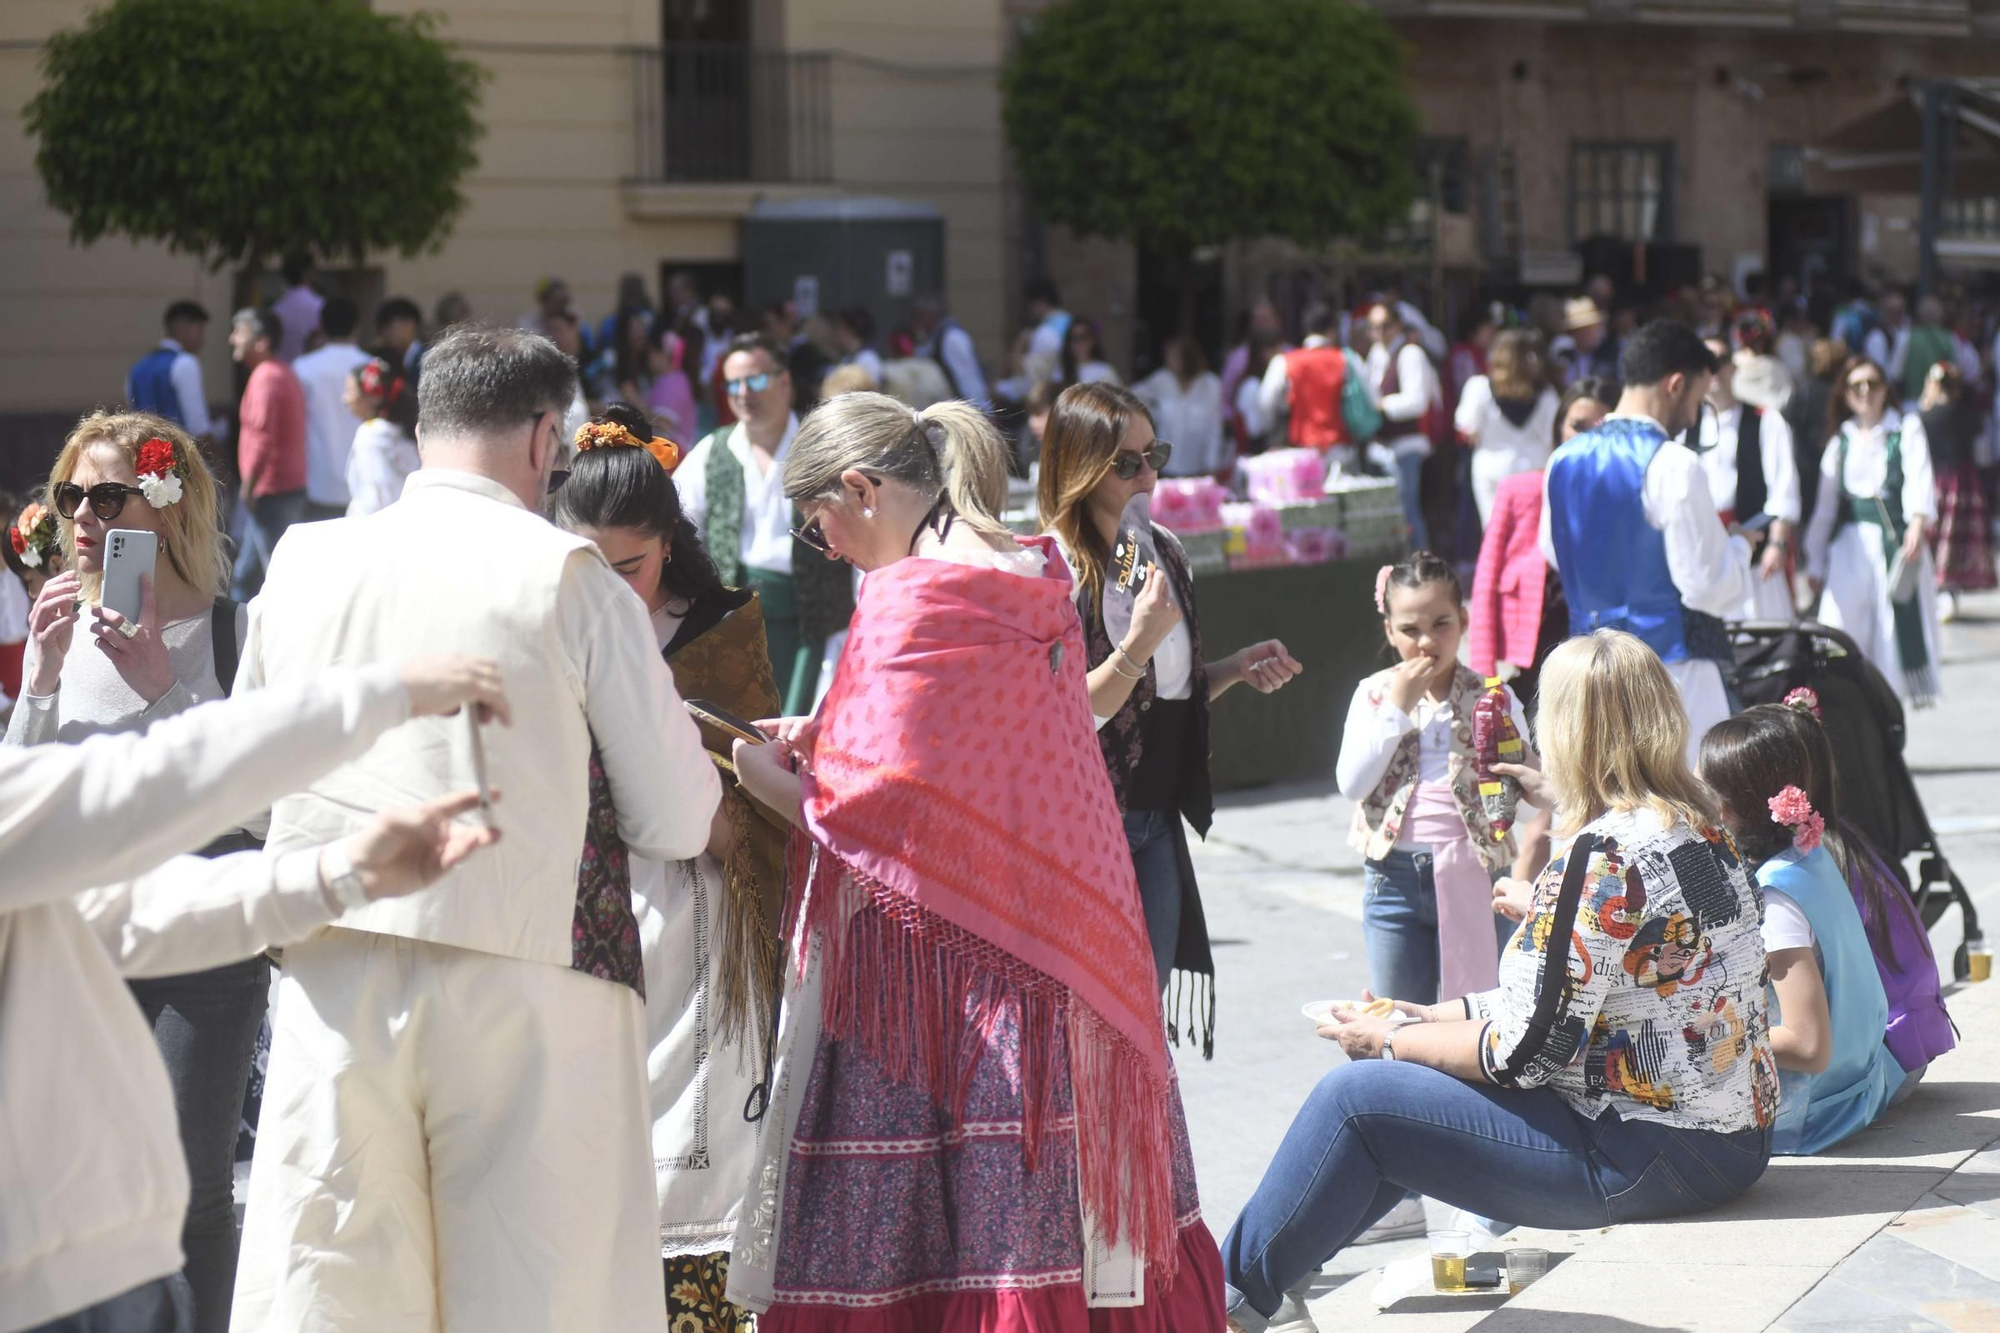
621 136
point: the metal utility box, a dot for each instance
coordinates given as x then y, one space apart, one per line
824 254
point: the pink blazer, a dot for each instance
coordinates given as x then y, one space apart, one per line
1506 607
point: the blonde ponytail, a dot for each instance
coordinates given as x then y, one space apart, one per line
948 449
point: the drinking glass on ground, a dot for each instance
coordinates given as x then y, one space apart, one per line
1525 1266
1449 1250
1978 960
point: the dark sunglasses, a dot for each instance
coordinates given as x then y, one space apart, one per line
1127 463
107 498
811 535
753 383
1868 385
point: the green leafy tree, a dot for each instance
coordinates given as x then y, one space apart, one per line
241 129
1178 124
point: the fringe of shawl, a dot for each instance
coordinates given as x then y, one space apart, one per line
922 996
749 962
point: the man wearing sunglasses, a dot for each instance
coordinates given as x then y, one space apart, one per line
732 486
450 1069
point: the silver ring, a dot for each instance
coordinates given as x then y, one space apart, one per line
129 630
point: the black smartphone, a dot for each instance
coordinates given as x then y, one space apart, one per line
723 720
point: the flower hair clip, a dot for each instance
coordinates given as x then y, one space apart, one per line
1382 588
1805 701
33 535
162 468
1793 808
377 385
611 435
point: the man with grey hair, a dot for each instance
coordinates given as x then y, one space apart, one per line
456 1125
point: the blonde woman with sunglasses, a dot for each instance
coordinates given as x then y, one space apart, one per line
1877 508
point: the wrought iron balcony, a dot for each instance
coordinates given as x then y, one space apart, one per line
722 112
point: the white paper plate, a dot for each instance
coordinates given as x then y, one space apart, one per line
1321 1012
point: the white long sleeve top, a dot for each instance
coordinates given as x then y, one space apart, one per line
1774 447
95 1180
1867 472
1372 736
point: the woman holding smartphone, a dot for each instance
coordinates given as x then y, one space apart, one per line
90 670
708 927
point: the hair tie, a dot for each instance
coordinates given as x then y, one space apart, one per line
1804 700
1793 808
1382 588
611 435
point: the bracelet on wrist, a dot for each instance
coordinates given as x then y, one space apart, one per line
1119 649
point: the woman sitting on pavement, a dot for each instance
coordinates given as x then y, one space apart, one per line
1634 1081
1774 772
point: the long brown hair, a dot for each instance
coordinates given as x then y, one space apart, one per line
1079 445
1514 366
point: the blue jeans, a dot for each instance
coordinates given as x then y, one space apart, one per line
1373 1131
1399 926
265 519
1150 835
205 1024
159 1306
1410 490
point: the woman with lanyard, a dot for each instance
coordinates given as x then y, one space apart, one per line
974 1123
1150 690
708 927
1868 546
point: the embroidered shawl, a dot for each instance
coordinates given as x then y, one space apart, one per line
968 856
1378 820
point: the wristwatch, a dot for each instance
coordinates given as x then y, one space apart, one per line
1389 1044
339 877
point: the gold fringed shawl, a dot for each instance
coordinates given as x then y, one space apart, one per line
731 665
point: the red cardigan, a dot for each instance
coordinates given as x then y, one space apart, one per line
1506 607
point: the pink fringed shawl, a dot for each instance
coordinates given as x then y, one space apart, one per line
978 862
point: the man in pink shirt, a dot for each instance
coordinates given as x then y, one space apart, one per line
270 449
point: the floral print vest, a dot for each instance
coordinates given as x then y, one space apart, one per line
1379 819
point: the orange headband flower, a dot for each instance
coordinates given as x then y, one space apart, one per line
611 435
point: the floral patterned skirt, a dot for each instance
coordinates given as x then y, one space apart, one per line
695 1300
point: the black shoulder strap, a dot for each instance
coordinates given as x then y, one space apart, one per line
222 635
1552 988
1753 489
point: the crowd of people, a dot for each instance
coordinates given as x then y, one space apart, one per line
842 997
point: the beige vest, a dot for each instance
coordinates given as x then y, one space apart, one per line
450 568
1378 819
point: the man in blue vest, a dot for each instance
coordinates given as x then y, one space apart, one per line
1634 532
167 380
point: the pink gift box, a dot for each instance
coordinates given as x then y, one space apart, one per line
1284 476
1189 504
1315 546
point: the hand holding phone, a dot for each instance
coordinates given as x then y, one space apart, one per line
471 716
715 715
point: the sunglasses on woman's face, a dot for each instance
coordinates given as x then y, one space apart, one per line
107 498
811 535
1869 385
1129 461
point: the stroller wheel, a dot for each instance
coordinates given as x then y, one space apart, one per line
1961 967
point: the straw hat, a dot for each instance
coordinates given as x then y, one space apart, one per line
1580 312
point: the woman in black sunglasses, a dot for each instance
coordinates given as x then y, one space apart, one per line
1150 692
89 671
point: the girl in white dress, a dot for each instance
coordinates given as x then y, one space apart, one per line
1877 506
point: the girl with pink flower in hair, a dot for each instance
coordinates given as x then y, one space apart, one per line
1829 1012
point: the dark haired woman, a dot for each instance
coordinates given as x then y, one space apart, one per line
385 446
707 927
1151 690
1829 1013
1083 357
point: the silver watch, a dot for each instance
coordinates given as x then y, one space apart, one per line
1389 1044
338 875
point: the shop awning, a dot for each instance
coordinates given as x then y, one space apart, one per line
1882 152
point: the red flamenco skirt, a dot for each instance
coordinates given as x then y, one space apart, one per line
1964 541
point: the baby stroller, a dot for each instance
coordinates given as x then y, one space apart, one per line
1865 728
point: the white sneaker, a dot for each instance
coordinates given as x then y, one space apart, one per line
1291 1317
1402 1222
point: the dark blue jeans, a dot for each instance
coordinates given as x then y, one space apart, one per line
159 1306
1150 834
1399 926
264 521
1373 1131
205 1024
